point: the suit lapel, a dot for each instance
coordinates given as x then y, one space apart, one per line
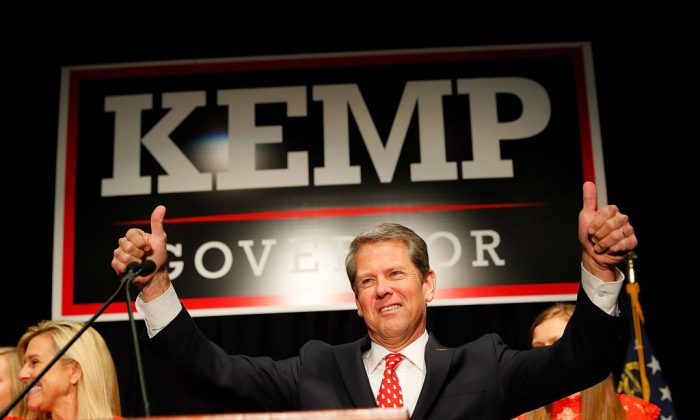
437 365
349 359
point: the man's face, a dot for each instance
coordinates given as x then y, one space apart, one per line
390 296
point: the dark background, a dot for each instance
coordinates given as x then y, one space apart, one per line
643 90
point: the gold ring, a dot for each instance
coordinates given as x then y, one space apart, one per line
623 232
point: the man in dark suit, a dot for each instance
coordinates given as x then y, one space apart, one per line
392 280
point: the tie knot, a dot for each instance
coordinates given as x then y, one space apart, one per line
393 360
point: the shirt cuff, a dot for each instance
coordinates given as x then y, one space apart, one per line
603 294
159 312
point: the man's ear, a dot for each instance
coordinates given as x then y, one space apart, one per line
429 285
359 308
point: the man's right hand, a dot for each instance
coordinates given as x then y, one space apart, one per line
137 246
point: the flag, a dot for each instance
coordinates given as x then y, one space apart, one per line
646 382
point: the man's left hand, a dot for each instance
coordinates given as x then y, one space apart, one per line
605 235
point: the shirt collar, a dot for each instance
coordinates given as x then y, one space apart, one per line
414 353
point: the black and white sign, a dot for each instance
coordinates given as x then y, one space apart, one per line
270 166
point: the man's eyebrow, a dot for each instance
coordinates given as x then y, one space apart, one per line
388 270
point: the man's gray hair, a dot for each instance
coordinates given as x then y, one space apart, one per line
416 248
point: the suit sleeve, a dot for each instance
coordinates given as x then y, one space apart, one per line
247 383
582 357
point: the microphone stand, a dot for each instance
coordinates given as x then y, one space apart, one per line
137 352
133 271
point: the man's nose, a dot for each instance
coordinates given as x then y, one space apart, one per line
383 287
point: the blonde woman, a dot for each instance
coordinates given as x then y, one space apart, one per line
81 385
10 386
597 402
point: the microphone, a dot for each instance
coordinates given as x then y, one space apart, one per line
143 269
133 270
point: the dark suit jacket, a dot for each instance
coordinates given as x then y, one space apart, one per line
482 379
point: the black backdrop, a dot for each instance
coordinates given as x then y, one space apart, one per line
640 79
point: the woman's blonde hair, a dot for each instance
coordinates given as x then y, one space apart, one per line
98 391
598 401
562 310
10 354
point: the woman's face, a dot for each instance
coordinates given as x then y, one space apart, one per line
57 389
5 382
548 331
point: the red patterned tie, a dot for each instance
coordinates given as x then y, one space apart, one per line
390 394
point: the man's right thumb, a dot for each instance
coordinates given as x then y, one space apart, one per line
157 221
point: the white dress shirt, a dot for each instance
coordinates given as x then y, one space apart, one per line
411 371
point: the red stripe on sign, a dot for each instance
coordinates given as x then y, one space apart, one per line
294 303
584 118
189 67
69 191
537 289
331 212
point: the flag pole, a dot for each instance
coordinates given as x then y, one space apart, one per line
632 288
